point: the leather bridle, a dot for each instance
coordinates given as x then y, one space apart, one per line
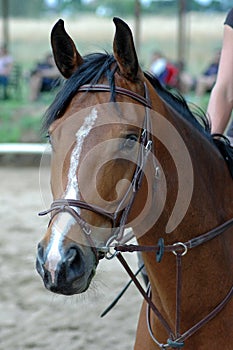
179 249
119 219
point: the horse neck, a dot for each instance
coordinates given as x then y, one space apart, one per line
191 164
210 205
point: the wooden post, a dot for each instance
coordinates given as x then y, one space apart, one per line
137 13
5 22
181 53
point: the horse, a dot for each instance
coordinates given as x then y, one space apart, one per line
128 153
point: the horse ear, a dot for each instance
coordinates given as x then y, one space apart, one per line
124 51
65 53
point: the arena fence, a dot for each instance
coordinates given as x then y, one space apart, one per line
24 148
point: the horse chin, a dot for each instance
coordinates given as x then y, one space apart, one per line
77 287
78 290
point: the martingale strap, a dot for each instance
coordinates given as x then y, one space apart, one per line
175 340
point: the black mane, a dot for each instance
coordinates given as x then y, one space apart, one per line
196 117
98 66
94 67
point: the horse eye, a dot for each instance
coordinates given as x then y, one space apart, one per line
130 141
48 137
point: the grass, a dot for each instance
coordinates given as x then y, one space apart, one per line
26 129
20 120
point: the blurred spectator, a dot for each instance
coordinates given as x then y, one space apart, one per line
204 82
207 80
187 82
44 77
158 65
6 64
165 71
172 75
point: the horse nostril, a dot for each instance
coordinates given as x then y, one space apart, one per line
72 256
40 259
40 252
47 277
74 262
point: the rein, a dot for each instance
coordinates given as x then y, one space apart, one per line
119 219
179 249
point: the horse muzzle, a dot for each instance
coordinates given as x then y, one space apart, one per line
71 275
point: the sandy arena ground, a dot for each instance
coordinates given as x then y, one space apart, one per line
33 318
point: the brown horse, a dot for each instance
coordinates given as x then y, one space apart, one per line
128 153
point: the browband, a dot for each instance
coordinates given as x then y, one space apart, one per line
106 88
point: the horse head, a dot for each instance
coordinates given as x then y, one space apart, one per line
98 139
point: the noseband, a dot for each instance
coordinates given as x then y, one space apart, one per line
119 217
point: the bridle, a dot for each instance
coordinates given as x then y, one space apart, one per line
179 249
119 219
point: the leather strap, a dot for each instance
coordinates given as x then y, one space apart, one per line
106 88
176 340
179 246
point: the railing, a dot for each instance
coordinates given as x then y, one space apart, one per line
24 148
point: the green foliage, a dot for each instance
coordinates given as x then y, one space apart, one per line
9 133
19 121
37 8
117 7
18 130
26 8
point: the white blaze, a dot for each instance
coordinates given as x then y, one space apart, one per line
65 221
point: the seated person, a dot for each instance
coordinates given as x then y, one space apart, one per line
44 77
204 82
6 65
165 71
158 66
172 75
